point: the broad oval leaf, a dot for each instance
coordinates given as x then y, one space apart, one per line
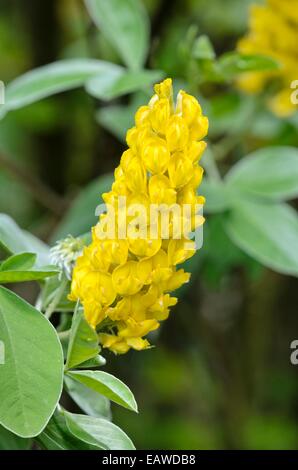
117 119
56 436
203 49
125 25
267 232
55 78
97 361
233 63
9 441
15 240
32 373
29 275
91 402
215 194
19 268
271 172
107 385
83 341
21 261
98 432
122 85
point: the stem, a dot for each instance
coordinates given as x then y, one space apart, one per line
64 334
51 308
38 303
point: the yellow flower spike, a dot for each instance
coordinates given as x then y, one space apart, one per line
131 138
177 133
189 107
121 311
155 155
137 209
187 195
142 115
155 269
126 159
119 186
100 284
275 19
161 308
135 174
180 250
286 8
196 150
199 128
110 197
140 302
144 247
114 343
114 251
98 262
160 190
144 133
137 343
124 280
180 170
164 89
94 312
177 280
160 115
136 329
280 103
197 176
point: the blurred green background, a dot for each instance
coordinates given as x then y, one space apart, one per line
220 375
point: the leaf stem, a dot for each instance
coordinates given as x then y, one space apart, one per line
64 334
51 308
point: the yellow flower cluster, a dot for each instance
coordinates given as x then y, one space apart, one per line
124 283
273 32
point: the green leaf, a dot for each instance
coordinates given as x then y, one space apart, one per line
203 49
115 120
15 240
107 385
83 341
216 196
97 361
56 436
81 216
9 441
49 291
267 232
271 172
30 275
21 261
118 119
233 63
55 78
230 113
91 402
125 25
32 373
126 83
98 432
17 268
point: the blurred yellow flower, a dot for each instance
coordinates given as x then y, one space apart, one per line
273 31
124 283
